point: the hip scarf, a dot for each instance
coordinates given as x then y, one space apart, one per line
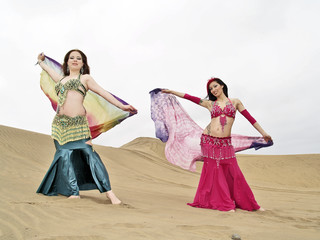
217 149
66 129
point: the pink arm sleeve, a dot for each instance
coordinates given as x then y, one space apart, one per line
247 115
192 98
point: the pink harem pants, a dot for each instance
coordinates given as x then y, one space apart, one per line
222 185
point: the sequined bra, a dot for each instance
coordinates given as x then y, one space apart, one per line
72 84
228 110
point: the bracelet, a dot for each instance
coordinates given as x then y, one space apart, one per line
247 115
192 98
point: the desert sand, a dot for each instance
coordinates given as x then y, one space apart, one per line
154 194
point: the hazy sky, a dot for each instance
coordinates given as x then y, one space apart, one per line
266 51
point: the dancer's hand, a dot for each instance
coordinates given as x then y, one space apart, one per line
178 94
41 57
130 109
267 137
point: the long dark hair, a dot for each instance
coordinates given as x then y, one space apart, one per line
221 83
86 68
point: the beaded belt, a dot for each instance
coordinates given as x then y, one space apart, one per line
223 142
66 129
217 149
66 121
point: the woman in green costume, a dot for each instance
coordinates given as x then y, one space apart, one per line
76 166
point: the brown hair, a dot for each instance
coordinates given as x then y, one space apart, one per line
86 68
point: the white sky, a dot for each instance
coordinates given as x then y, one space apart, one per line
266 51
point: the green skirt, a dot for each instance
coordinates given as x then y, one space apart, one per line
76 166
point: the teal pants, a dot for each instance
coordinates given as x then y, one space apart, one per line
76 166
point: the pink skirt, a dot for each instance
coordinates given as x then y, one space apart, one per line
222 185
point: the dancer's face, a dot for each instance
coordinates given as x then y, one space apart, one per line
75 61
216 89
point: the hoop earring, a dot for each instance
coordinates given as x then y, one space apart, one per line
68 70
81 70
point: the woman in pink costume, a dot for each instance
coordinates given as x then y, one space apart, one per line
222 185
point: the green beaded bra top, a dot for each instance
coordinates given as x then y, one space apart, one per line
72 84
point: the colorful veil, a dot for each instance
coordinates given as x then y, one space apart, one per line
182 135
101 114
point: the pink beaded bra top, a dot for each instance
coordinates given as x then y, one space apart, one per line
228 110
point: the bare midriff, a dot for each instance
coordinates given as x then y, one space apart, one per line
215 129
73 105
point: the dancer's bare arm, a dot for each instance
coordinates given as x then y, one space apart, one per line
239 106
202 102
53 74
95 87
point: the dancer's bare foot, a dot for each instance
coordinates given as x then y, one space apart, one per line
112 197
232 210
261 209
74 196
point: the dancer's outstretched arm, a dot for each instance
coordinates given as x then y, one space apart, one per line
202 102
95 87
255 124
53 74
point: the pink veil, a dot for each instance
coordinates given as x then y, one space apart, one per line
182 135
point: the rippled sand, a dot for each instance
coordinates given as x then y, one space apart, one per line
154 195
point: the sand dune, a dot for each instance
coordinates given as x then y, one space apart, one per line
154 194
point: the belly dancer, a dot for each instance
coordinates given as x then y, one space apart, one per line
76 166
222 185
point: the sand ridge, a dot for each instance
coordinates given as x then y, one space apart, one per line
154 194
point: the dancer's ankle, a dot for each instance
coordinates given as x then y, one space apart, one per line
112 197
